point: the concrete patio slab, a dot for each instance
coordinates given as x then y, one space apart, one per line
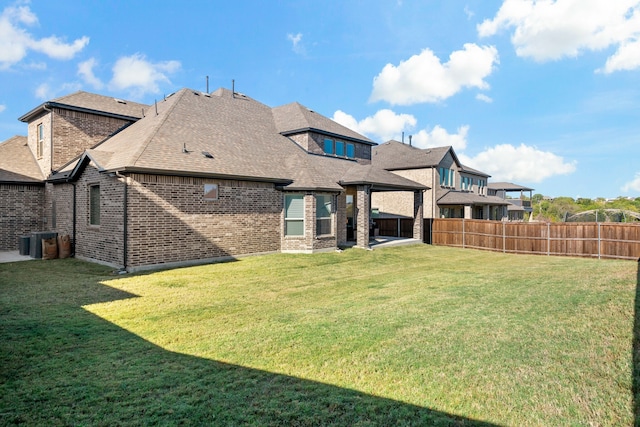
13 256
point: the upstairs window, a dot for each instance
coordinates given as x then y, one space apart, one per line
323 214
294 215
467 183
351 151
94 205
328 146
340 148
40 142
447 177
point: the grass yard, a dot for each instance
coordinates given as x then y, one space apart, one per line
414 335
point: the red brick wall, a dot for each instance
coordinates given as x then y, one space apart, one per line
22 213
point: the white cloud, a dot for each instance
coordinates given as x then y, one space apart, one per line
550 30
296 41
2 108
470 14
484 98
140 76
85 71
633 185
16 41
439 137
524 163
384 124
43 91
423 78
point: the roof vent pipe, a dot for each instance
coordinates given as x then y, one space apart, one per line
410 137
403 137
233 88
207 84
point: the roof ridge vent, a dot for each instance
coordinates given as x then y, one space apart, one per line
120 101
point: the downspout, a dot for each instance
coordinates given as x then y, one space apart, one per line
73 251
125 215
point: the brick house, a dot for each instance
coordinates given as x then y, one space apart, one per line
457 191
194 178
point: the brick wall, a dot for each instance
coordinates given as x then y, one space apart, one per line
309 243
74 132
169 220
103 242
22 213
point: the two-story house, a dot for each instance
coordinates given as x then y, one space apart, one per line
194 178
457 191
518 207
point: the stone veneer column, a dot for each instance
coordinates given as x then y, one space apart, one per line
418 220
364 211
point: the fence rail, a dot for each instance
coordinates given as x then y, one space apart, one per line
597 240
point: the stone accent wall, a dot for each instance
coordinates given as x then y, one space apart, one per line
341 218
170 222
74 132
364 207
22 213
418 220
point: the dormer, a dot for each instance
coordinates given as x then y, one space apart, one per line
320 135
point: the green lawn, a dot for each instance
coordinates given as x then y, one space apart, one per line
414 335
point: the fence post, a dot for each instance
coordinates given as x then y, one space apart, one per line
463 243
599 240
504 238
548 239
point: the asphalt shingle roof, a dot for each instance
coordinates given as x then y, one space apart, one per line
17 163
92 102
394 155
240 134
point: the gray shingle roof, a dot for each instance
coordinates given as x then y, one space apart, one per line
508 186
449 197
243 139
394 155
294 117
91 102
17 163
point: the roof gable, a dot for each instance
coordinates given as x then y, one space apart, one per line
394 155
295 118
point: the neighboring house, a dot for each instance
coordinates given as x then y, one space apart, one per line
194 178
457 191
517 207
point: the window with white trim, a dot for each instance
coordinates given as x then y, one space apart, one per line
294 215
40 142
447 177
467 183
323 214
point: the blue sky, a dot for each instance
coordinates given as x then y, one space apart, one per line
541 93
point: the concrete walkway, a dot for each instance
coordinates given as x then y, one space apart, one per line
13 256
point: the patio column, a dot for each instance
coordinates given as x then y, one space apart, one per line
363 195
418 216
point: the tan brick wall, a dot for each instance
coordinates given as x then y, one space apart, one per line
169 220
105 242
32 140
401 202
22 213
309 242
74 132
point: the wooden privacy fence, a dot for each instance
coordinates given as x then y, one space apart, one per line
598 240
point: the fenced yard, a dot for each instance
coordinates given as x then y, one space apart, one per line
595 240
414 335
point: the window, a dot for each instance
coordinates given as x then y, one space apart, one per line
340 148
351 151
40 142
467 183
294 215
94 205
328 146
447 177
210 192
323 214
